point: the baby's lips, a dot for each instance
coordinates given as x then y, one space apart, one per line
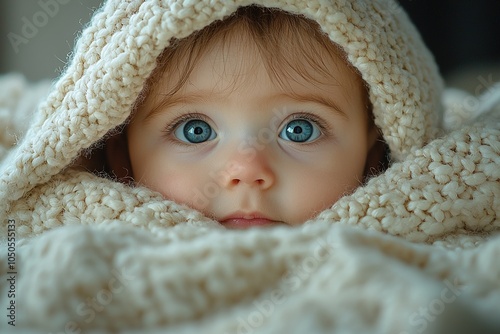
243 220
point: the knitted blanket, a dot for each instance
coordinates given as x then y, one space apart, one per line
414 250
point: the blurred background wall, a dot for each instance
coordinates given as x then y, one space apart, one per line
464 35
37 35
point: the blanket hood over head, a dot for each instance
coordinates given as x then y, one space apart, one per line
185 271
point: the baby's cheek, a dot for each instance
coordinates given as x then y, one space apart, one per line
184 189
302 201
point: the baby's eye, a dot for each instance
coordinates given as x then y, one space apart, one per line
300 130
194 131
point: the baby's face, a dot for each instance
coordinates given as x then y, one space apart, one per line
246 151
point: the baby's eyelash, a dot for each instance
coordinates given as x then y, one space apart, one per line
324 127
170 128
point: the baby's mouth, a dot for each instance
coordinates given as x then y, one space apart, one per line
242 220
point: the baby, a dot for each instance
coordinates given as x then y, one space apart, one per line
256 120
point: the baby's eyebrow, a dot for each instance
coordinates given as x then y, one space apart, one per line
168 101
199 98
320 99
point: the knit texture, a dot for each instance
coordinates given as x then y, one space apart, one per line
101 256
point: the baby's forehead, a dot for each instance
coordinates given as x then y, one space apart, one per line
217 77
290 65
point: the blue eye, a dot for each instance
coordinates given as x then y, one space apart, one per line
299 131
194 131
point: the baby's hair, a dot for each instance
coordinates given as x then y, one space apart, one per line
288 44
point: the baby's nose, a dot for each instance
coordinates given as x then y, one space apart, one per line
253 172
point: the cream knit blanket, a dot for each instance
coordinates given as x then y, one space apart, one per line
413 251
